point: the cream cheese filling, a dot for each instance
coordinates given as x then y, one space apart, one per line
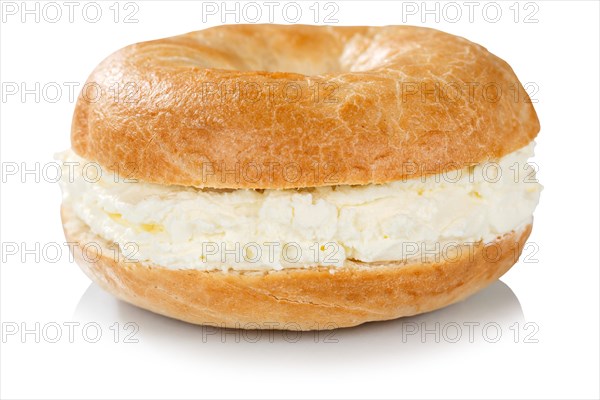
188 228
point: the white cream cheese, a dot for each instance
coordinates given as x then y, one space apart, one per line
187 228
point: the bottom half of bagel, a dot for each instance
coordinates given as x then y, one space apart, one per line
314 298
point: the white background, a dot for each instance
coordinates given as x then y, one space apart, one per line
556 294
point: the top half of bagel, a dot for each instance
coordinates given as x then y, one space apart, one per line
276 107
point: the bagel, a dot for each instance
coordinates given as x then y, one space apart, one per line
350 123
299 177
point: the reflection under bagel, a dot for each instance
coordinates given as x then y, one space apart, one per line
460 324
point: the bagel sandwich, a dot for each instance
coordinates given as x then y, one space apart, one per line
299 177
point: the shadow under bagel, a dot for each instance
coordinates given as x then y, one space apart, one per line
497 304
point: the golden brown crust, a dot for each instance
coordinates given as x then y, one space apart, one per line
213 109
299 299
